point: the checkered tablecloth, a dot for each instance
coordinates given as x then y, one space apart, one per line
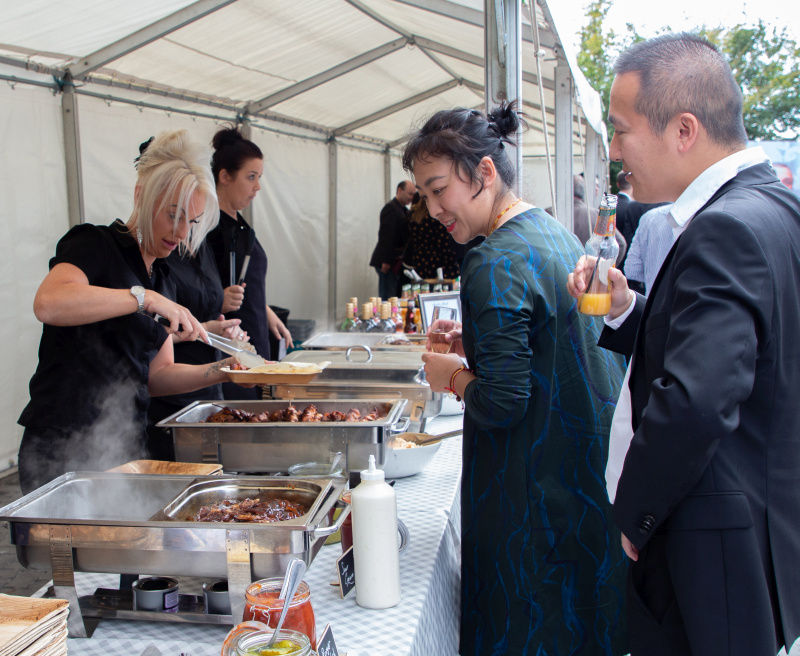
424 623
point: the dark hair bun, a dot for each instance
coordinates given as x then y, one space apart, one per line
226 137
504 119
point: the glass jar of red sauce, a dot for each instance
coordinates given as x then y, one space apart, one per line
262 605
347 525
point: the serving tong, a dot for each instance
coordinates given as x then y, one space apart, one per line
244 352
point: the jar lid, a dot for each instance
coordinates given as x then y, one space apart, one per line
372 474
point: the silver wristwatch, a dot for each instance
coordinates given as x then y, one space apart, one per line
137 291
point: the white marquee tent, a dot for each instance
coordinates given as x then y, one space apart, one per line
327 88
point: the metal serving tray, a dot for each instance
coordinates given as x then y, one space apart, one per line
361 374
276 446
375 341
135 523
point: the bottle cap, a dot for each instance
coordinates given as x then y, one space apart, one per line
372 474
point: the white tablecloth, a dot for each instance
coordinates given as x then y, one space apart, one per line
424 623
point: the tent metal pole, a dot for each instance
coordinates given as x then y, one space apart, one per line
333 224
563 105
247 133
593 147
72 151
503 71
387 173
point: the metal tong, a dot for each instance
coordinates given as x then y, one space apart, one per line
242 351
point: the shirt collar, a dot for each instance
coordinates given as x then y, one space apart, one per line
709 182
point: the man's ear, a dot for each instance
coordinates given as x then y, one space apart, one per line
688 131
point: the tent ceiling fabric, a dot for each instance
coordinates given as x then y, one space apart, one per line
353 68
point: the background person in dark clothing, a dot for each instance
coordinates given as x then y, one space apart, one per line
430 247
387 258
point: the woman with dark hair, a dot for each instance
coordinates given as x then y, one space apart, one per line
542 568
237 166
102 355
429 245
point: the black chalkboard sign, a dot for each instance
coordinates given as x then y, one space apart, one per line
326 645
345 566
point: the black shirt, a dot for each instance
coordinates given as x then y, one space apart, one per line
95 375
253 312
198 289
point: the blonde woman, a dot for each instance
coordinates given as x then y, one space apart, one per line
102 354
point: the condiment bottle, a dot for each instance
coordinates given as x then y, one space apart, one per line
349 324
377 560
410 326
602 245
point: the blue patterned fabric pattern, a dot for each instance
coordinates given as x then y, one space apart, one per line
543 571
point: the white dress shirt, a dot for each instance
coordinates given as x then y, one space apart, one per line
683 210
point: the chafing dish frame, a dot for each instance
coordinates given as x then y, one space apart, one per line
276 446
49 533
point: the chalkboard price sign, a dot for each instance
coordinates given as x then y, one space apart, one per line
326 646
345 566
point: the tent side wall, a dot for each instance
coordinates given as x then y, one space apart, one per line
34 216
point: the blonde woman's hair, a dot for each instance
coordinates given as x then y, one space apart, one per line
173 163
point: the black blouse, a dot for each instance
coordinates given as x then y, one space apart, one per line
198 289
97 373
253 312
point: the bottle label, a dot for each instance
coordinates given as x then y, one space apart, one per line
606 222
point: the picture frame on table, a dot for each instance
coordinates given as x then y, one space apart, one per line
428 301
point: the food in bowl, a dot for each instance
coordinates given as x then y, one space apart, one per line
290 414
400 443
250 510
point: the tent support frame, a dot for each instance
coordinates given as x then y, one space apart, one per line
72 151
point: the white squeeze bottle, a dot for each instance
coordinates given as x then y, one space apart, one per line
377 559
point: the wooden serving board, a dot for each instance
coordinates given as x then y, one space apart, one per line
23 620
166 467
269 379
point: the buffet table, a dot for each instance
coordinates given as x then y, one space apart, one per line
425 622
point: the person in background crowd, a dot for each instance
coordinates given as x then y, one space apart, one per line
387 257
102 354
429 246
651 243
237 166
705 446
629 211
541 570
784 174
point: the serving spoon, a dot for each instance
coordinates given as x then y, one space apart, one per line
294 575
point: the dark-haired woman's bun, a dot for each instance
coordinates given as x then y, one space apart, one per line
226 137
505 119
142 147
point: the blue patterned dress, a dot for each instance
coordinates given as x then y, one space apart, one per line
543 571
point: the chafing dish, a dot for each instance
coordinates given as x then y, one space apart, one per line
375 341
362 374
276 446
122 523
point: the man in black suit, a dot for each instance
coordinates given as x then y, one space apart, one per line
392 238
704 460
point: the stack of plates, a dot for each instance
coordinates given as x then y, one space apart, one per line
33 627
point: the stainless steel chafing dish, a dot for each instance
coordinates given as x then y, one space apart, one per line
123 523
375 341
360 373
276 446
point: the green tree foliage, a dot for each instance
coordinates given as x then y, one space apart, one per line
766 63
764 60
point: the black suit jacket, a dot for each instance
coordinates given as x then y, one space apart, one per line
392 234
714 465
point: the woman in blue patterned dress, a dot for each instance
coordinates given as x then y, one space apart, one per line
541 571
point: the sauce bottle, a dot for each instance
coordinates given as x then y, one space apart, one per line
377 561
602 245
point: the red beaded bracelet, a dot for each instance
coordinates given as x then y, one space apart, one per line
452 388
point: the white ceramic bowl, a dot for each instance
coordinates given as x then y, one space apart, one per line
407 462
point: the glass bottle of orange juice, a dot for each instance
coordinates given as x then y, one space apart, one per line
602 246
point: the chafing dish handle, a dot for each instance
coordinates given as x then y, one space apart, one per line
330 530
358 346
405 422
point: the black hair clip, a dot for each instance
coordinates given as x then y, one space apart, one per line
142 147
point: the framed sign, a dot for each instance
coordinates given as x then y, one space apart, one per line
427 302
